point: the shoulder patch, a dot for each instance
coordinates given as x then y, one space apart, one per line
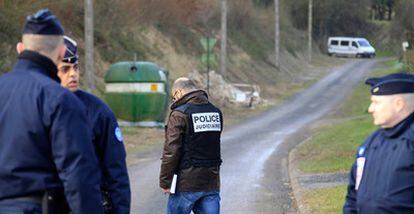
118 134
205 122
361 151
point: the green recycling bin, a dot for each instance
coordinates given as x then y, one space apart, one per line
137 92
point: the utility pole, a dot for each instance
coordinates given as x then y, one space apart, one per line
310 32
89 61
277 36
208 64
223 51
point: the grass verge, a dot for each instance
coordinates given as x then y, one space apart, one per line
326 200
332 145
333 148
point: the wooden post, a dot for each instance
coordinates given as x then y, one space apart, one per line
277 36
310 32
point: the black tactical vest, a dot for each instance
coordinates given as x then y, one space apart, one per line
201 146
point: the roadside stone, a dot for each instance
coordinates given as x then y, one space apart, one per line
316 181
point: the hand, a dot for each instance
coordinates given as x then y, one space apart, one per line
166 191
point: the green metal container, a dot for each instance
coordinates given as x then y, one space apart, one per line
137 92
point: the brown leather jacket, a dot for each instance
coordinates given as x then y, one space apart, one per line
193 179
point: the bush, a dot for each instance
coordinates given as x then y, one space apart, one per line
404 15
333 18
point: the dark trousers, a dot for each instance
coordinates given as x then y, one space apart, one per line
12 206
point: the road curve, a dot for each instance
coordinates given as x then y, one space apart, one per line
254 172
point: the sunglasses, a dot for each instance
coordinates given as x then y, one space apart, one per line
174 95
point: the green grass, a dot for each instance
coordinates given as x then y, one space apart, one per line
355 105
332 147
394 64
326 200
384 53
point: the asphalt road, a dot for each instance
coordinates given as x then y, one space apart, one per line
254 174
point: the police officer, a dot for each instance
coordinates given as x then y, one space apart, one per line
45 150
192 152
381 179
106 135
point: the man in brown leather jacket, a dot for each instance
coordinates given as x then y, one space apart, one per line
192 151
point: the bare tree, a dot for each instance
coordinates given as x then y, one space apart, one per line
223 51
277 36
89 61
310 32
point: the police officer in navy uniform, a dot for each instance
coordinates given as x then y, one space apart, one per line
191 155
106 135
46 154
382 177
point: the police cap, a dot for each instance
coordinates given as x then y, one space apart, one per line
397 83
71 54
43 22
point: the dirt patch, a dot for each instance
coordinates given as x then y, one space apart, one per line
142 143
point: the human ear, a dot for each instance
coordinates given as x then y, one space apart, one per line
180 93
399 103
20 47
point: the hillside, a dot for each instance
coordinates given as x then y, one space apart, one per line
168 33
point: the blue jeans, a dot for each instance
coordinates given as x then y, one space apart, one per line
198 202
10 206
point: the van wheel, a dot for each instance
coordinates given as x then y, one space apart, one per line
357 55
372 56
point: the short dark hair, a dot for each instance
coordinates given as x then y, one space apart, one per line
46 44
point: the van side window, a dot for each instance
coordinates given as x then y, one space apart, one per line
334 42
344 43
354 44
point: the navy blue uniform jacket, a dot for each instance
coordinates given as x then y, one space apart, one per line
387 184
107 138
45 139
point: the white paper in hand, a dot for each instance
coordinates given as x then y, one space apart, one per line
173 184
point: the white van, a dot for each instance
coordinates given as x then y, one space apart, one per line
350 46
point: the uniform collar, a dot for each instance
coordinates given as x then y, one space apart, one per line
49 67
400 128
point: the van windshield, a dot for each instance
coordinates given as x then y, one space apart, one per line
363 43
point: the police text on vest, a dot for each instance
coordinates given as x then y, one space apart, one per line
205 122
